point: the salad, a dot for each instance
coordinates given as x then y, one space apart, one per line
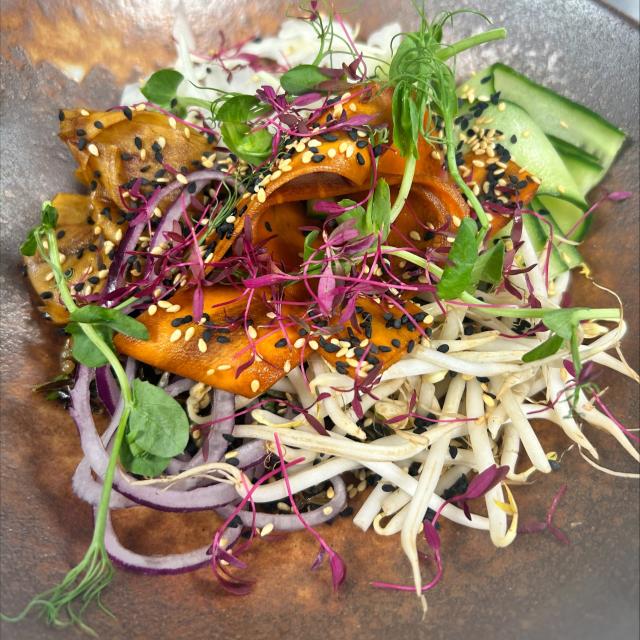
308 268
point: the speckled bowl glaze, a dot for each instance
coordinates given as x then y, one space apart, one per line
62 53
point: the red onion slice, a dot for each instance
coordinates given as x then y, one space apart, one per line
198 499
169 564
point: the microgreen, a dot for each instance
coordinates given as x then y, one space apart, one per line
234 114
157 424
458 274
303 78
92 328
162 89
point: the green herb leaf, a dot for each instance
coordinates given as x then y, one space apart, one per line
379 210
83 350
30 245
162 86
116 320
562 321
303 78
49 215
253 147
142 463
240 109
458 274
157 422
308 242
488 266
550 346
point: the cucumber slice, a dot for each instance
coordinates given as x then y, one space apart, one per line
532 150
479 84
584 168
538 236
560 117
565 215
568 253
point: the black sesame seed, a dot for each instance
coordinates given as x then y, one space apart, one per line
268 227
60 234
127 113
236 520
383 348
98 125
94 279
360 158
82 143
79 286
81 132
361 144
234 462
387 488
341 367
443 348
46 295
317 157
411 345
468 330
138 142
453 451
61 115
223 339
281 343
191 187
514 138
396 343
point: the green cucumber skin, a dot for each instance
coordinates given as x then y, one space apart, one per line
585 129
568 252
539 237
533 151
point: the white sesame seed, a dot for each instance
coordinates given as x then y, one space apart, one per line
287 366
188 334
187 132
414 235
118 236
502 106
327 511
299 343
202 345
526 133
563 124
306 157
252 333
561 189
174 308
224 367
349 151
266 530
255 385
172 122
175 336
314 345
108 246
456 221
93 150
181 179
262 195
84 112
332 152
477 163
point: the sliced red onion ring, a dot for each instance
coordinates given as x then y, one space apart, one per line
222 417
90 490
163 499
179 386
107 388
291 522
159 565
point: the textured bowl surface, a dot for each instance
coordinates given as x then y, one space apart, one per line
61 53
